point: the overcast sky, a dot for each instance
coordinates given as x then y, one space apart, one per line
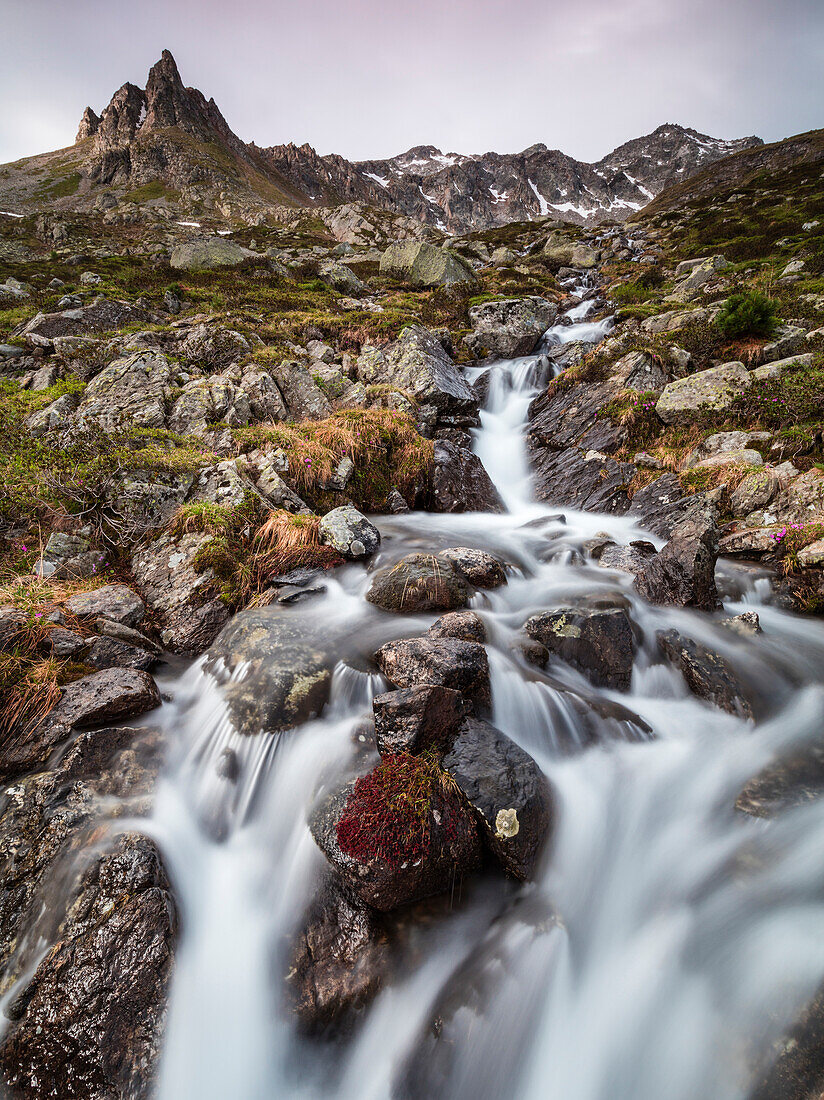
370 78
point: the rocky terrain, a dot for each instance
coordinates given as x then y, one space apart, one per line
200 422
168 152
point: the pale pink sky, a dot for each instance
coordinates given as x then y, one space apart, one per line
370 78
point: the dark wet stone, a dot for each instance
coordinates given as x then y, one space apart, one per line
508 792
683 572
707 674
597 642
479 568
444 662
459 624
415 718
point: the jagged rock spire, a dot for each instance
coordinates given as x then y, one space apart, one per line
89 125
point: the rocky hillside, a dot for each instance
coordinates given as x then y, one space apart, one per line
168 150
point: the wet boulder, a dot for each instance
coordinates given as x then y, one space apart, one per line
460 483
349 532
707 674
683 572
481 569
339 960
589 481
598 643
459 624
287 660
444 662
413 719
508 792
106 696
418 582
89 1022
509 328
398 834
795 778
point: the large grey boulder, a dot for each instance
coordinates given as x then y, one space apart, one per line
211 348
418 364
130 392
509 328
442 662
102 315
710 390
209 253
424 264
305 400
701 273
349 532
342 278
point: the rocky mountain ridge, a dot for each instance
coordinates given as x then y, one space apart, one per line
168 147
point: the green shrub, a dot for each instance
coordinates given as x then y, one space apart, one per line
749 313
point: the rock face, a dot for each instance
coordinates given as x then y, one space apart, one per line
130 392
707 674
442 662
349 532
508 792
599 643
683 573
507 329
90 1021
417 363
418 582
286 660
189 614
460 483
208 254
707 390
423 264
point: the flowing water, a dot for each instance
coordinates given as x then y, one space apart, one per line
668 938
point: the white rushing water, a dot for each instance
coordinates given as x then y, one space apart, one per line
668 938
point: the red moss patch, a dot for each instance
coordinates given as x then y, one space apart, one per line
390 813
